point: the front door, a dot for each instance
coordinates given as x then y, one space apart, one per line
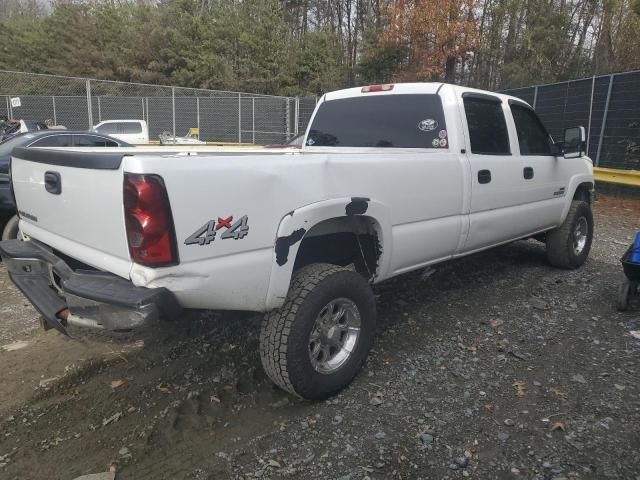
544 182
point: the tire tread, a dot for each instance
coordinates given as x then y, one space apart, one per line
277 324
557 240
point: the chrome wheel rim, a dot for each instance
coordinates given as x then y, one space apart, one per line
334 335
580 234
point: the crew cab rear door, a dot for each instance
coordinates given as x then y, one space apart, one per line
496 174
73 202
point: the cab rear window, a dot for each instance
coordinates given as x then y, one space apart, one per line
393 121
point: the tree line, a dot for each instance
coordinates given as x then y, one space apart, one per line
299 47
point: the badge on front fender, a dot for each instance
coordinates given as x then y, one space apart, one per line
208 232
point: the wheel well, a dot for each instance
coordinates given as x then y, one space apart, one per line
584 192
351 240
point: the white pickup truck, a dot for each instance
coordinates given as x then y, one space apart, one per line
390 179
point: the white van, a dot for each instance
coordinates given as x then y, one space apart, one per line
130 131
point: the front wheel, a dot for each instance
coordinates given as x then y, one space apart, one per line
568 245
11 230
316 343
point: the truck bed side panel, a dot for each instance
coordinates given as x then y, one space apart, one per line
422 190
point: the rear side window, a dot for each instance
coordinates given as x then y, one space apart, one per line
53 141
394 121
533 138
93 141
487 126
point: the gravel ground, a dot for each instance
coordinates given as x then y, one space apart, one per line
492 366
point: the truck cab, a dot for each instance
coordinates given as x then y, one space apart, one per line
135 132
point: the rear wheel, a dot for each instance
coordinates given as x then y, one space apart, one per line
11 230
568 246
317 342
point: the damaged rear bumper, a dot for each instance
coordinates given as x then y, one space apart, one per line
82 297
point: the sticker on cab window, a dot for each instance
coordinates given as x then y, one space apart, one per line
435 142
443 142
442 134
427 125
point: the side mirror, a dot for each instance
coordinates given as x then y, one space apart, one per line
575 140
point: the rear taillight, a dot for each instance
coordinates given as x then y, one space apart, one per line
150 230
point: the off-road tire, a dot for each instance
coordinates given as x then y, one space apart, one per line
284 337
11 229
560 251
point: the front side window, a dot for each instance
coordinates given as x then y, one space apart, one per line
533 138
487 126
393 121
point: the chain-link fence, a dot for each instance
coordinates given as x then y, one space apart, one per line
79 104
608 106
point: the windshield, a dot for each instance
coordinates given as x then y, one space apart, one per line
399 121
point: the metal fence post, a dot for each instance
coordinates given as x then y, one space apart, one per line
173 109
593 85
297 116
142 102
239 118
8 107
253 120
198 115
99 110
535 97
604 120
287 119
55 117
89 106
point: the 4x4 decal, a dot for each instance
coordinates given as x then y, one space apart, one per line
207 233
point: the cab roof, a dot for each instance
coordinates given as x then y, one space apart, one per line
415 88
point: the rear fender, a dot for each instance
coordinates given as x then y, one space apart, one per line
294 226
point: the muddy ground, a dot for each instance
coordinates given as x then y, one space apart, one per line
495 366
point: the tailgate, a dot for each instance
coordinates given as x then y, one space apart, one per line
72 201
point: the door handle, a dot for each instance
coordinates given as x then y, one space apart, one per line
528 173
484 176
53 183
